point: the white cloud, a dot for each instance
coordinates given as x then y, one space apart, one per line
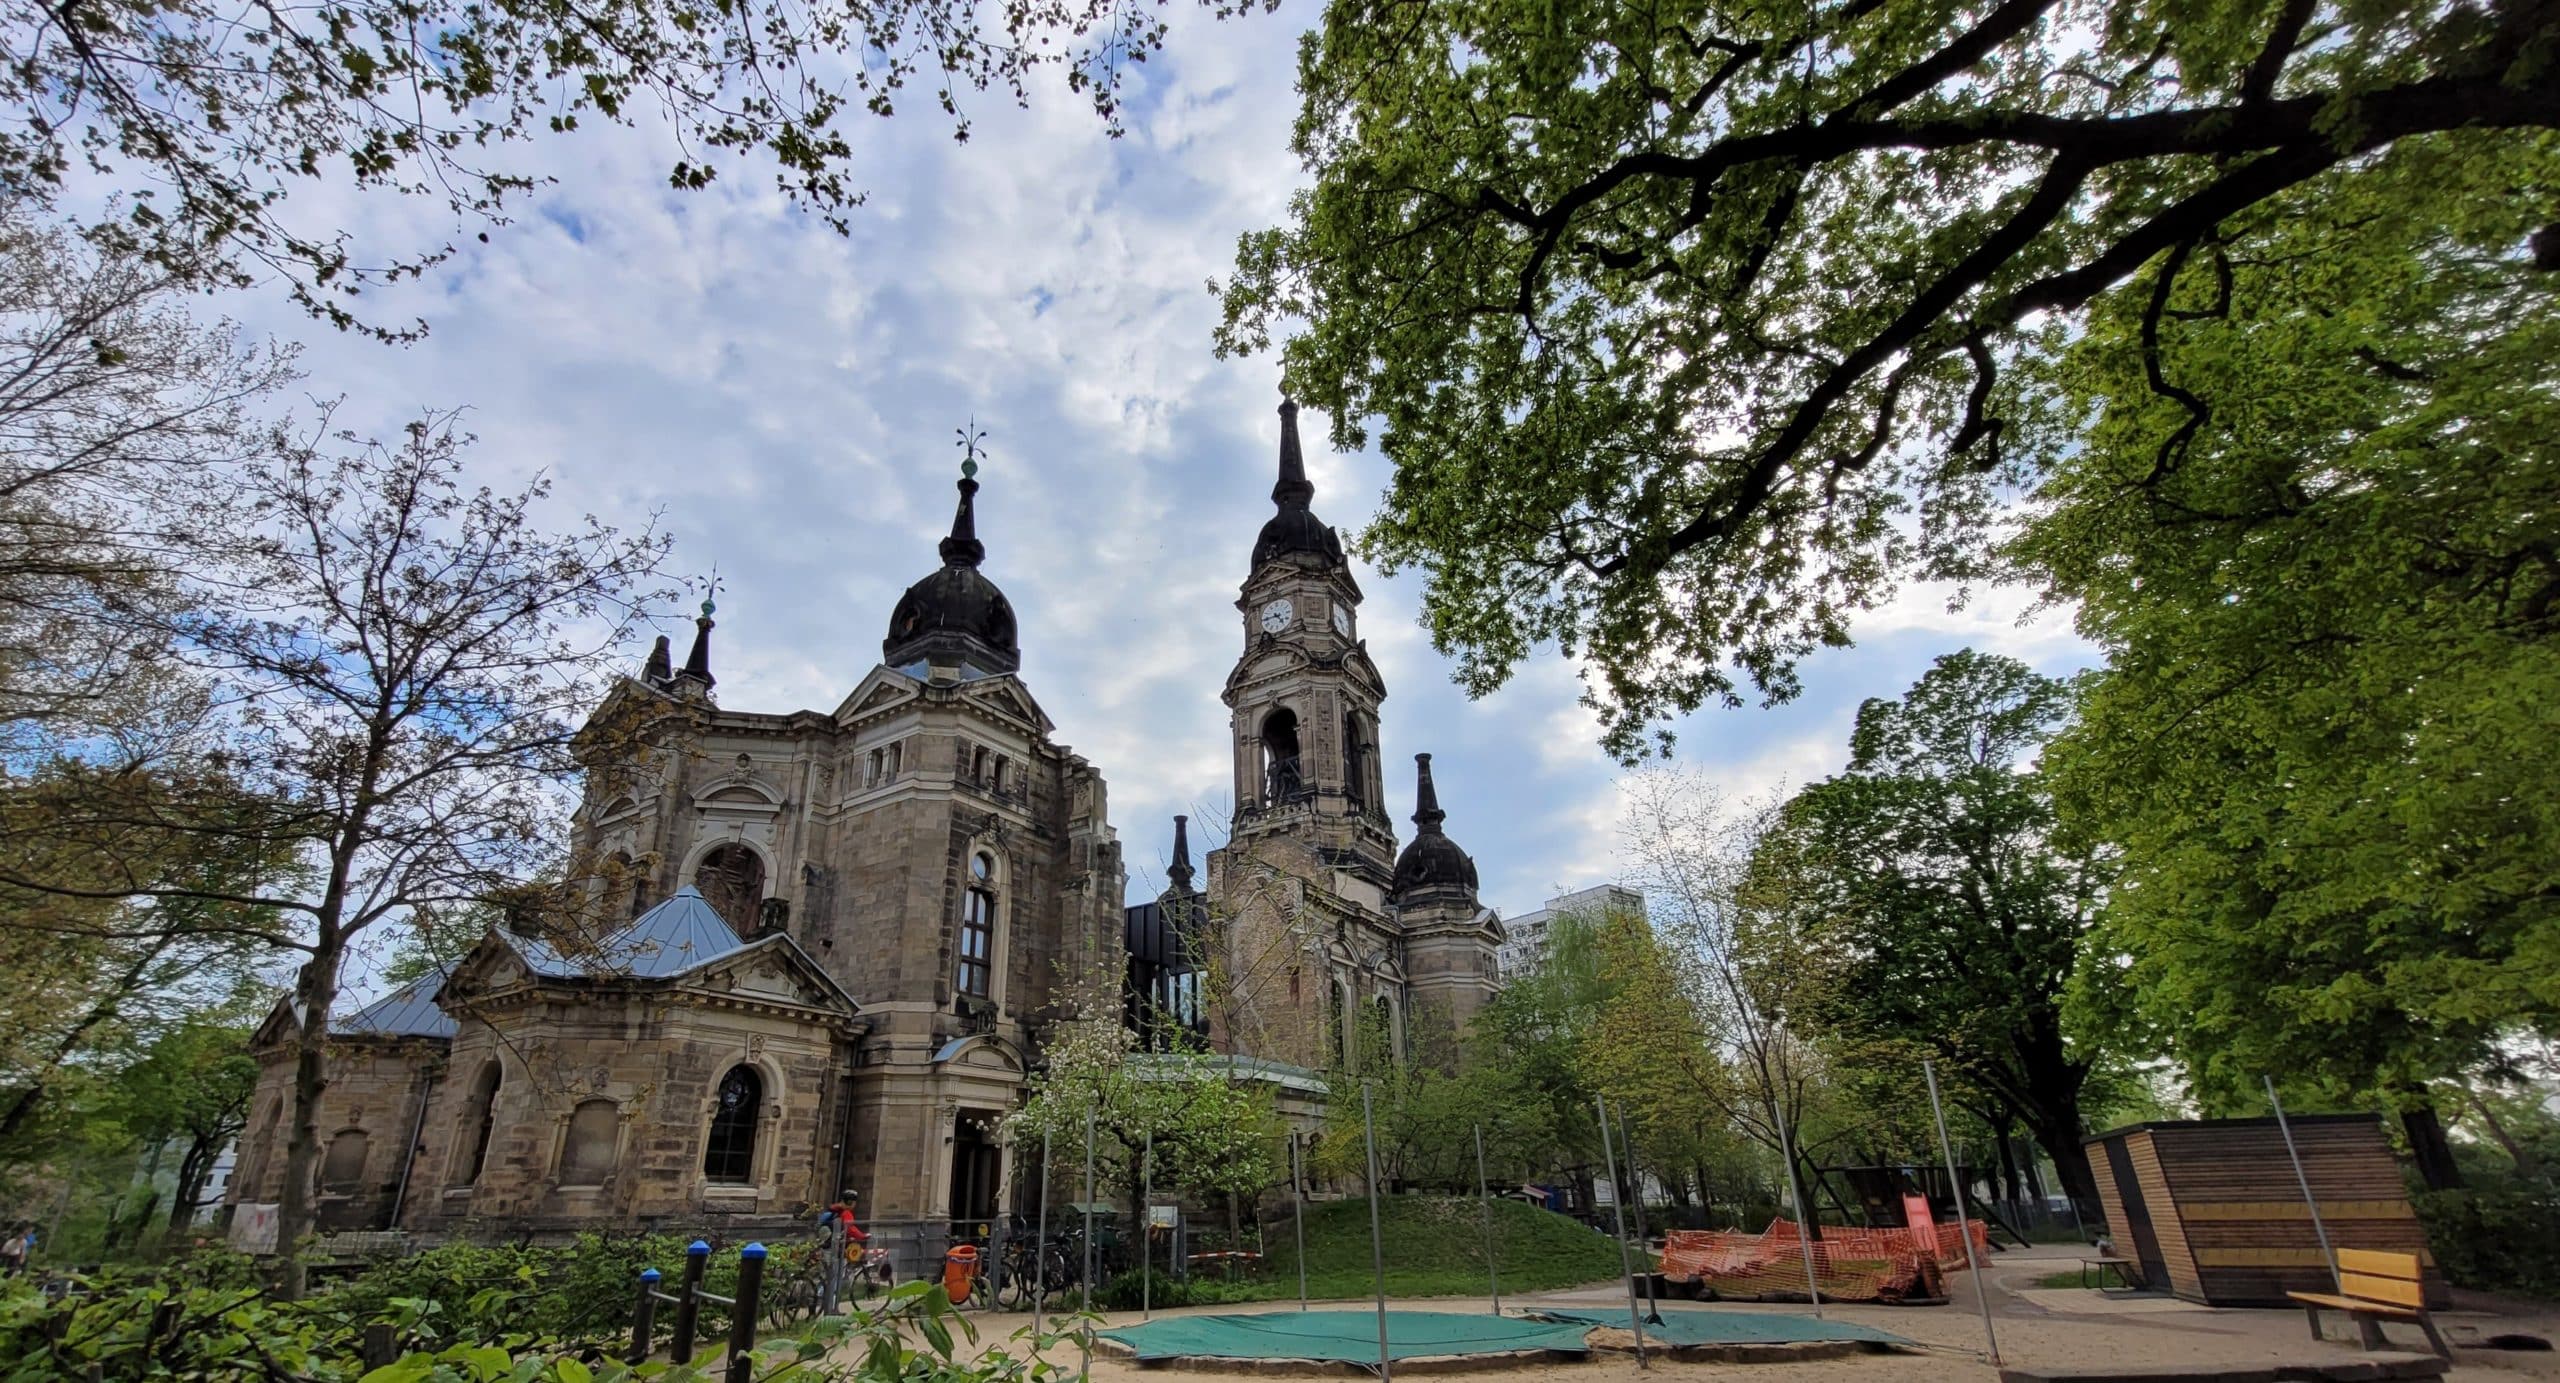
787 398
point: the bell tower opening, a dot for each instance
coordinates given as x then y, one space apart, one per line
1284 777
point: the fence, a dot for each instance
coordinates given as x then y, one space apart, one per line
744 1309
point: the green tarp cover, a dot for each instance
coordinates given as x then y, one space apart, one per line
1349 1337
1694 1326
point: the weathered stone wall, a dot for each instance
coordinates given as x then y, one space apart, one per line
660 1060
374 1086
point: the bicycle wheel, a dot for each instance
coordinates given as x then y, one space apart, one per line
1013 1281
795 1303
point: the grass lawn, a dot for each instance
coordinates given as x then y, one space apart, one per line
1434 1247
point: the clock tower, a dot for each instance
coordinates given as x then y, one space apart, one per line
1309 954
1303 698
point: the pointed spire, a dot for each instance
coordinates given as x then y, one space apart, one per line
697 664
1180 870
661 668
1427 815
962 548
1293 489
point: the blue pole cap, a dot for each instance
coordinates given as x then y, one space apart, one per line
697 1248
752 1251
648 1274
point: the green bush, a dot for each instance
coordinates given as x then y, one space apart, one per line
584 1291
1131 1289
2495 1241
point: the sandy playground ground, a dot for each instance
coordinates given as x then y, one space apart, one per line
2037 1327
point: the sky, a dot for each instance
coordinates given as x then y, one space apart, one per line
785 400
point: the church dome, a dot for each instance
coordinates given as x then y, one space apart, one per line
1432 861
955 614
1295 531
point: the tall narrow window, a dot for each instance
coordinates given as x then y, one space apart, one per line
1355 757
897 757
595 1137
479 1120
978 927
730 1156
871 770
978 767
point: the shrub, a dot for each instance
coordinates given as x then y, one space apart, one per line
2495 1241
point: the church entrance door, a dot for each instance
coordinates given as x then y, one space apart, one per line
976 1162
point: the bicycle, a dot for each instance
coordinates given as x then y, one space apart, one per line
1018 1284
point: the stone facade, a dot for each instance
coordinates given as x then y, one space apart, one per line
831 945
1320 921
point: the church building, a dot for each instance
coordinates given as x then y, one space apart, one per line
835 943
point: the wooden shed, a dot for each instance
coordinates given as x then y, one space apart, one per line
2211 1211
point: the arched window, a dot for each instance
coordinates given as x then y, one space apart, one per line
594 1144
343 1168
731 879
479 1120
730 1155
978 927
1282 776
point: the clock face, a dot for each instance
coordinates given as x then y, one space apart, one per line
1342 620
1276 616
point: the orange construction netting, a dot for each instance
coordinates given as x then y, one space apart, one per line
1889 1265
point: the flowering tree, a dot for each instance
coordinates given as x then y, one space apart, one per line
1211 1130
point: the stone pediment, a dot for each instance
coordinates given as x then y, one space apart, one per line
773 969
885 689
1009 700
991 1055
278 1029
491 966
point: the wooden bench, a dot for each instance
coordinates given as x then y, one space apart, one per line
2375 1287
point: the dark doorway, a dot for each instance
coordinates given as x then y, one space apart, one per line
976 1161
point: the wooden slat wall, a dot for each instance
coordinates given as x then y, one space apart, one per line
2241 1220
2110 1200
2159 1195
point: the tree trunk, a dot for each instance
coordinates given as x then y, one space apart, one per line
2527 1165
315 990
193 1171
2429 1149
2071 1167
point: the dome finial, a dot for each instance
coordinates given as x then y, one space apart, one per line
697 664
1293 487
1426 799
962 548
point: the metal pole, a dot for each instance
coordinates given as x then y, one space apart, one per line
1298 1214
1147 1230
1795 1192
2283 1126
1964 1232
1493 1268
743 1310
1618 1207
1377 1236
1040 1241
1084 1336
644 1317
1635 1179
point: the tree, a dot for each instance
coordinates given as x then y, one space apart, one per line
2301 487
1691 327
114 406
1930 894
1210 1131
407 664
207 115
192 1085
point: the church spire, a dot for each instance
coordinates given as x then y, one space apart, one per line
1427 815
1180 870
661 667
1293 488
697 664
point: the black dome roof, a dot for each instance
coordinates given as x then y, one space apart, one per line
1432 861
955 614
1295 531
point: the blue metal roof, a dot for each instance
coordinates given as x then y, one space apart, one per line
669 939
409 1011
